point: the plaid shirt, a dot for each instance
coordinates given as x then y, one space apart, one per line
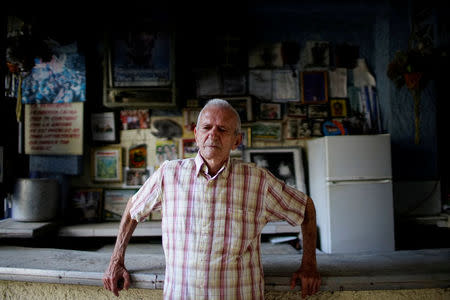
211 226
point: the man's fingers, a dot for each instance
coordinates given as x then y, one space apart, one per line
127 280
294 280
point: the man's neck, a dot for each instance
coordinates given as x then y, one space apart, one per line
214 165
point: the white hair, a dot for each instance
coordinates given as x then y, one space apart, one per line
222 104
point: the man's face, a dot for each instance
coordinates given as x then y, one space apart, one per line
215 133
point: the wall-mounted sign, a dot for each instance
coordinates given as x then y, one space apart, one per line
54 128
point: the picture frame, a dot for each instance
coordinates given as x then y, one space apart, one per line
314 86
86 205
137 156
115 201
270 111
134 119
338 108
319 111
297 110
106 164
139 66
166 150
285 163
190 116
136 177
246 132
267 131
189 148
104 127
243 106
316 126
297 129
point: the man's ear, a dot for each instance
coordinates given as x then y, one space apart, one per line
238 141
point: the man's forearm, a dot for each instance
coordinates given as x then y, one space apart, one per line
126 229
309 234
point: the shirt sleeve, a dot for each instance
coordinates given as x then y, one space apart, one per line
283 202
148 197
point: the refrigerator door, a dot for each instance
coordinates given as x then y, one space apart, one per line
361 217
358 157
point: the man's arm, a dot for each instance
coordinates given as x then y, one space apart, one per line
307 273
116 277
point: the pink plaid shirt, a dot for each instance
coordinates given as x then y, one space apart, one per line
211 226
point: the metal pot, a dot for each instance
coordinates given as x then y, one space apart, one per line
35 199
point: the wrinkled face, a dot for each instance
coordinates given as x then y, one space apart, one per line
215 133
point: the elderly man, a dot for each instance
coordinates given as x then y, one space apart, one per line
213 212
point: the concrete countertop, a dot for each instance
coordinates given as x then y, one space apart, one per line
368 271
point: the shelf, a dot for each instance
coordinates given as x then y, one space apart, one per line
150 228
10 228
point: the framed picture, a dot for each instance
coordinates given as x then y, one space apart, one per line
139 66
166 150
297 110
103 127
137 156
86 205
135 119
106 164
319 111
115 201
246 132
136 177
314 85
189 148
270 111
284 162
267 131
190 116
338 108
316 127
243 106
297 129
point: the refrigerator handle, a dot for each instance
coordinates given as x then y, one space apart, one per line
347 182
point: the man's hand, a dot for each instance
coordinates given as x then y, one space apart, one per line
310 280
116 278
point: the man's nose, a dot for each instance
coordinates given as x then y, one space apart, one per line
214 131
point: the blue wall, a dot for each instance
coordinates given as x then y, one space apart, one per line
379 29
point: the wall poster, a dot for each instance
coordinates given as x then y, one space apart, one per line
54 129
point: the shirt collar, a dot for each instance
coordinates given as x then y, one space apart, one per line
200 165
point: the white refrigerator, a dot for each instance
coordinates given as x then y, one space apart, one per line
350 182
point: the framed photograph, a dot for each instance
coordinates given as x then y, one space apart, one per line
316 127
135 119
139 66
243 106
297 110
246 132
319 111
137 156
136 177
189 148
314 85
106 164
297 129
270 111
338 108
103 127
190 116
267 131
115 201
285 163
86 205
166 150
